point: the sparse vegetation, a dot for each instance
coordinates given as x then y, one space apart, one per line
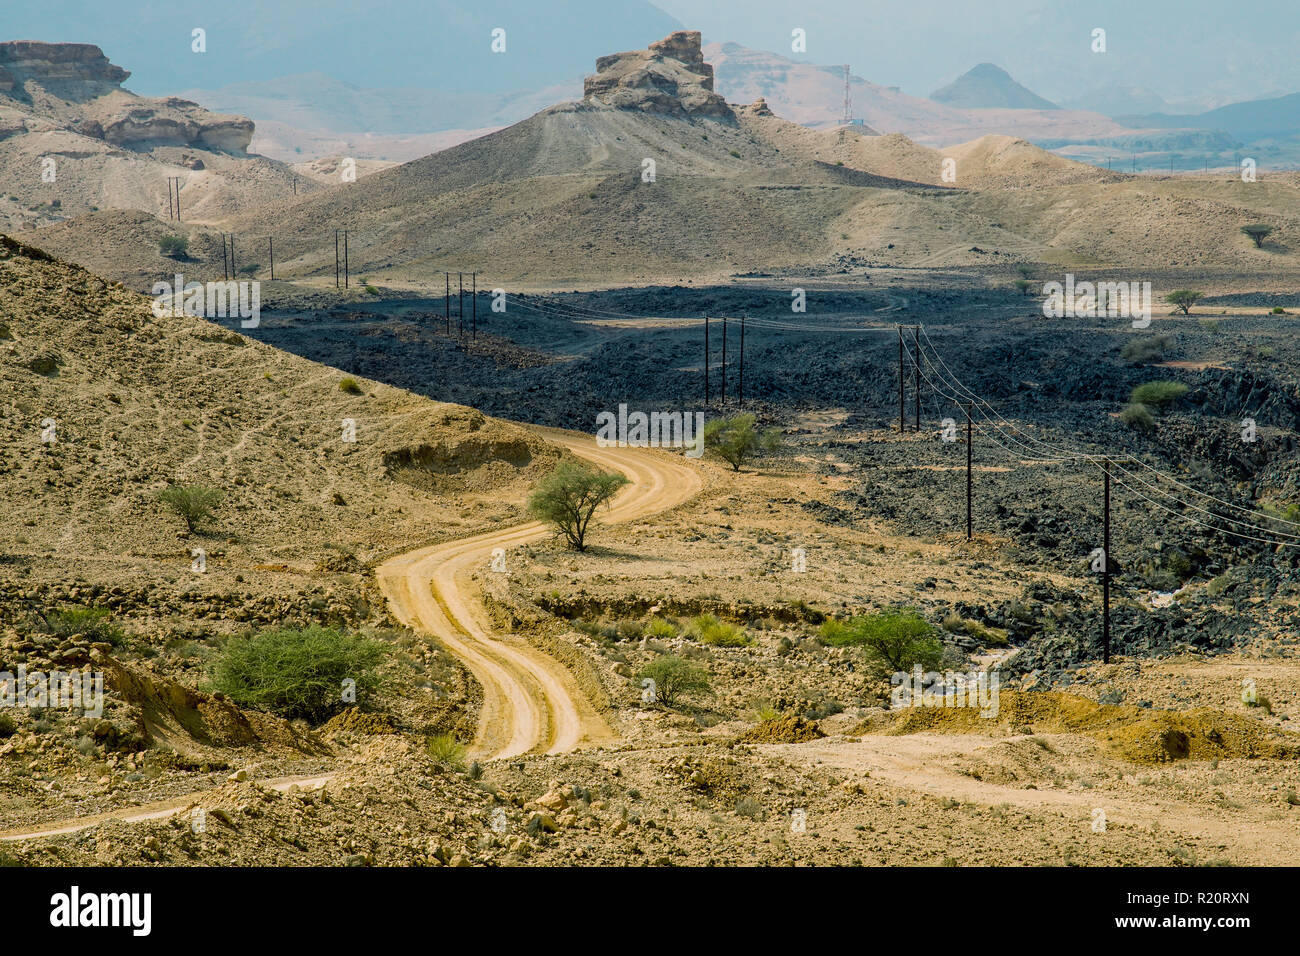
893 640
174 247
567 498
298 672
1138 416
675 678
1144 349
350 386
1183 299
735 440
1258 232
194 503
446 749
707 629
93 623
1158 395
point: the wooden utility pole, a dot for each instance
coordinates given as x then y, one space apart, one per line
741 401
706 361
1105 567
916 361
970 406
901 413
724 361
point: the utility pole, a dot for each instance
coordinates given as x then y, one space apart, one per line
270 245
1105 567
170 214
345 258
916 361
724 361
178 199
460 312
706 361
900 380
742 362
446 301
969 446
233 271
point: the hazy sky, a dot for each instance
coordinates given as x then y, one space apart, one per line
1183 49
1194 53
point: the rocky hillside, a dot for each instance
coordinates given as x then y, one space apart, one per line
73 140
105 404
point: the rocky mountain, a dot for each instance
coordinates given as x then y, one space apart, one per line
989 87
75 83
670 77
73 140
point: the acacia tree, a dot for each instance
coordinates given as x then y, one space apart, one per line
194 503
1258 232
567 498
1184 299
735 439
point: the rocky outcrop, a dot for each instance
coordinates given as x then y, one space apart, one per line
71 71
670 77
76 85
144 124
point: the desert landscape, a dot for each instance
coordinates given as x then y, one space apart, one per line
658 480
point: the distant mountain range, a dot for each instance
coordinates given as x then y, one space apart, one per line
989 87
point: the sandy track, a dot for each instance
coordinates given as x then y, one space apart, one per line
530 701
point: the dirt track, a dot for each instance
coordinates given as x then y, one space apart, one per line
530 702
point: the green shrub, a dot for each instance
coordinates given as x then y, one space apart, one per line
350 386
297 672
707 629
194 503
1147 348
1138 416
674 678
174 247
94 622
892 640
8 727
1278 310
1158 394
446 749
735 440
630 629
659 628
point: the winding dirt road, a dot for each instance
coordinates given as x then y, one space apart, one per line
530 701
